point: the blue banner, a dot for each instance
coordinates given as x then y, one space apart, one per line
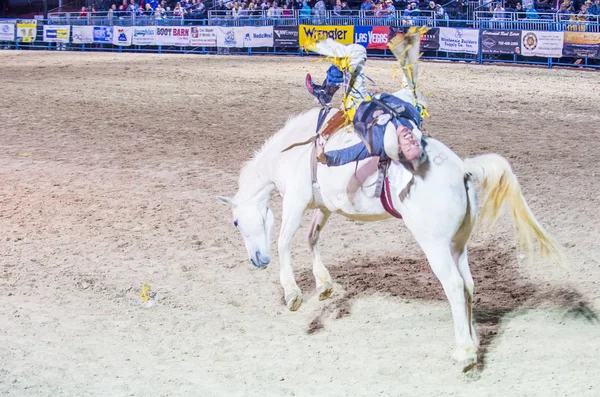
103 34
361 35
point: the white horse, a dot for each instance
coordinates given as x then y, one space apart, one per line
439 207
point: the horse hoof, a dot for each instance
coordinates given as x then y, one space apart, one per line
294 301
325 291
466 356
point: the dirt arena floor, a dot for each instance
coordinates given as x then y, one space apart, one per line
109 168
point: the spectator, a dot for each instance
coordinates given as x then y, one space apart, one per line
568 7
286 12
220 7
337 8
531 12
178 11
320 9
149 11
498 13
305 11
440 13
386 9
158 12
132 7
583 14
367 6
111 13
83 13
595 9
519 11
431 7
347 11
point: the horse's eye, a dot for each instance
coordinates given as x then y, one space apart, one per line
235 223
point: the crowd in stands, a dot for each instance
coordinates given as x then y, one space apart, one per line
583 10
453 9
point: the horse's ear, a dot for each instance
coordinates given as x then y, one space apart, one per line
226 200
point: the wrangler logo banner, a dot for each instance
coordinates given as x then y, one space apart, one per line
311 33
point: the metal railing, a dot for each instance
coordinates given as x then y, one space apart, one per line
546 21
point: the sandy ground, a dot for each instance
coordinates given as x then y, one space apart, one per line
109 167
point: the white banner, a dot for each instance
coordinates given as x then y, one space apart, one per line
260 36
57 33
144 35
459 40
26 30
542 44
230 37
122 35
83 34
7 32
173 35
203 36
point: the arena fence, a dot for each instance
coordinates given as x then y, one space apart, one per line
478 40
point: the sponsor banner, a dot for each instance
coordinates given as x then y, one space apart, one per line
26 30
7 31
542 44
122 35
173 35
430 41
500 41
285 36
459 40
57 34
375 37
311 33
83 34
261 36
144 35
103 34
203 36
582 45
230 37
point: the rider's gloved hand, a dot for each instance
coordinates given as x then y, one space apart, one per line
320 150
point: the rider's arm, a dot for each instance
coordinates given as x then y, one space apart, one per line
347 155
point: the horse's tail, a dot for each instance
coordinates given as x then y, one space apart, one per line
499 185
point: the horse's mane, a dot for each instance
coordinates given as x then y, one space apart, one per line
289 127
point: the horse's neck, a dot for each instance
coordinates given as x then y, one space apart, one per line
255 181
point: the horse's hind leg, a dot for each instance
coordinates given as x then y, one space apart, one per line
322 277
461 259
443 265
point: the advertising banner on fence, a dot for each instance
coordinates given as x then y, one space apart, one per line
430 41
542 44
341 34
500 41
103 34
122 35
26 30
7 32
261 36
83 34
144 35
582 45
203 36
57 34
375 37
173 35
230 37
285 36
459 40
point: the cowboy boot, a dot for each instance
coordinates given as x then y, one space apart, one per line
324 93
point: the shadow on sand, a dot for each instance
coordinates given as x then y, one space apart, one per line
500 289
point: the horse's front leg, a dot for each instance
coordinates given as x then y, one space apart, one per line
291 219
322 277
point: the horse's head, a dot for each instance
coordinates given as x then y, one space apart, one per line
254 220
